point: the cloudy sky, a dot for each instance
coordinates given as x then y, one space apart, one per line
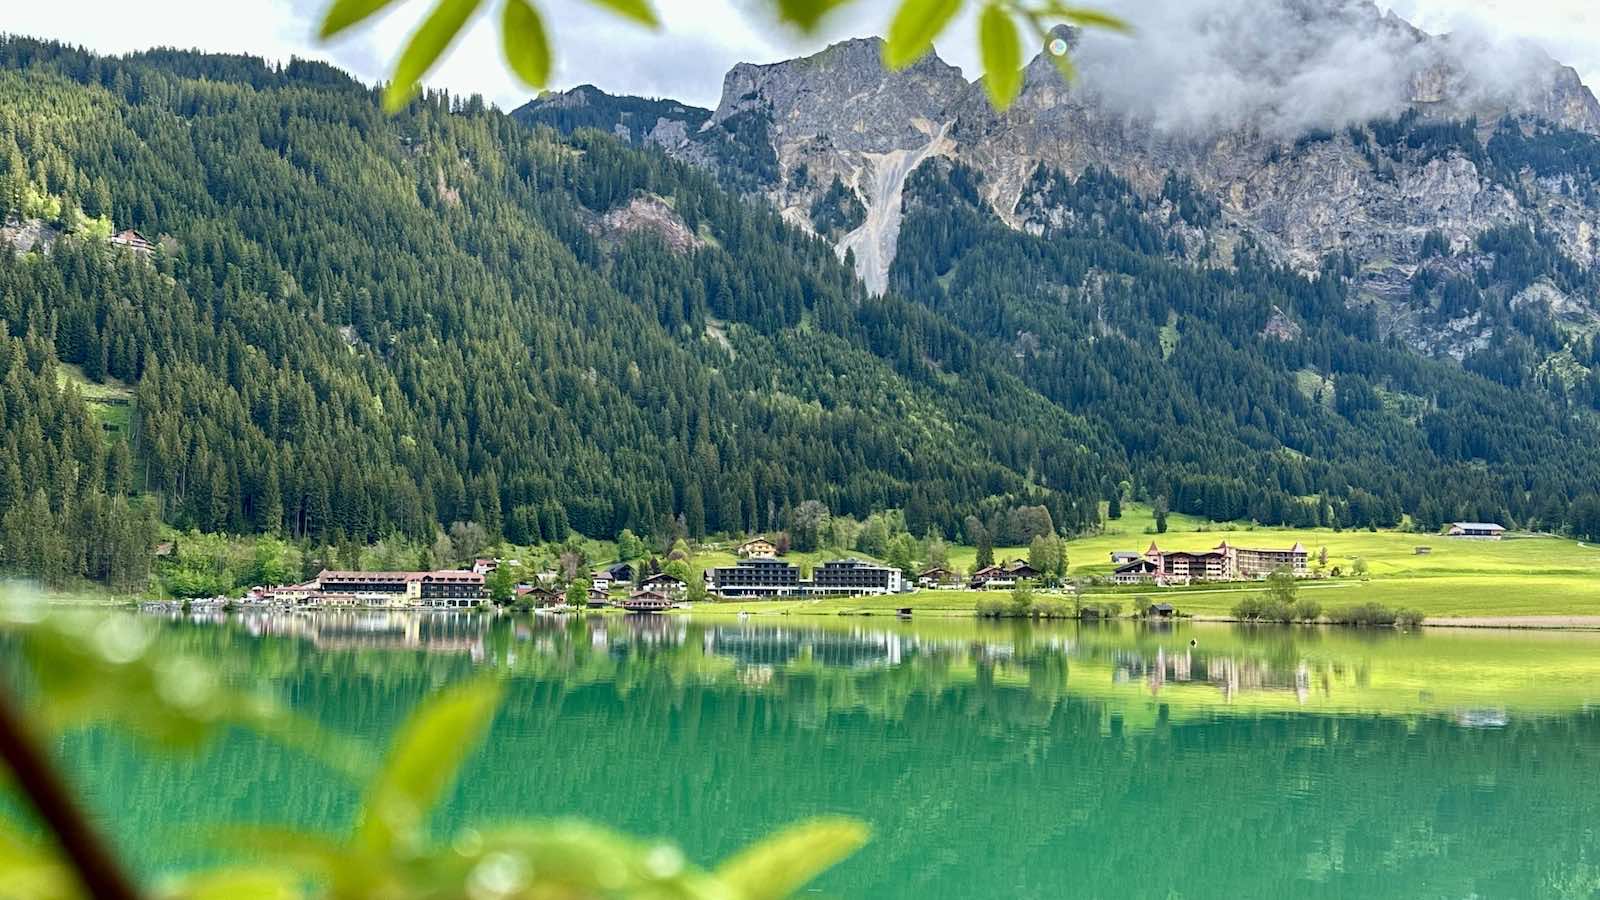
686 59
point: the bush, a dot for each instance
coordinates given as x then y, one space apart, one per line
1021 599
1307 610
1266 608
993 608
1111 610
1371 614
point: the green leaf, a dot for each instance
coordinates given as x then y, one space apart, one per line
344 13
915 26
806 14
527 49
1089 18
32 867
425 48
638 10
577 859
95 668
1063 64
1001 50
778 866
306 852
237 884
429 748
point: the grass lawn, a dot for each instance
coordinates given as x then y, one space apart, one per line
110 403
1522 575
1438 596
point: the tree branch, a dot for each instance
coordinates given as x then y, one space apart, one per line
102 877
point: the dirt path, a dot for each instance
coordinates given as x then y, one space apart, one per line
1571 623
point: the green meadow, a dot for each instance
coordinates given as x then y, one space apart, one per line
110 403
1521 575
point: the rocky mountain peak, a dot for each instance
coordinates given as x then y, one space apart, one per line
1312 128
582 95
843 92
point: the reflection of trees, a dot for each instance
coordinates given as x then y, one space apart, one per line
1004 760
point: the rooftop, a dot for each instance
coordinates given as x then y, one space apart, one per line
443 575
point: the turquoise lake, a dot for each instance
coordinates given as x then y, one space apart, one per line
990 761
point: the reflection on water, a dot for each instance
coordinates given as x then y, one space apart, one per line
1211 666
992 759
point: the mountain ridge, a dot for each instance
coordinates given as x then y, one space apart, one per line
1304 196
351 326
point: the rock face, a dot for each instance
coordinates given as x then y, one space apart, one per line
844 95
648 214
839 113
1318 129
27 235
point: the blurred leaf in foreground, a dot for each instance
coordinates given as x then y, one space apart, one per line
96 668
913 28
388 854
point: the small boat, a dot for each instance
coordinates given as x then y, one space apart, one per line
904 612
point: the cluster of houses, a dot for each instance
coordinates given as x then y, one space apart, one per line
998 577
445 589
466 589
761 575
1224 562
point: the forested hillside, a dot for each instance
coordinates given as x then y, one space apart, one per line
1238 392
356 325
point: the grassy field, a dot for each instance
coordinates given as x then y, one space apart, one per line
1522 575
111 403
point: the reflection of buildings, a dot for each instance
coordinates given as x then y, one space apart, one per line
1230 674
1119 667
376 630
761 645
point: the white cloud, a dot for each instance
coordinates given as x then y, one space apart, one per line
699 41
1568 30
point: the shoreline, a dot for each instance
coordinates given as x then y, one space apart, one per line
1505 622
1525 623
1510 622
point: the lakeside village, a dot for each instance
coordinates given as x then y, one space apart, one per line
760 574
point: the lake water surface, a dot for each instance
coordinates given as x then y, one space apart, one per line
991 761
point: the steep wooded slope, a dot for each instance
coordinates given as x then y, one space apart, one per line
357 324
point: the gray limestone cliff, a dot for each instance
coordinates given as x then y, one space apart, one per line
1345 133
